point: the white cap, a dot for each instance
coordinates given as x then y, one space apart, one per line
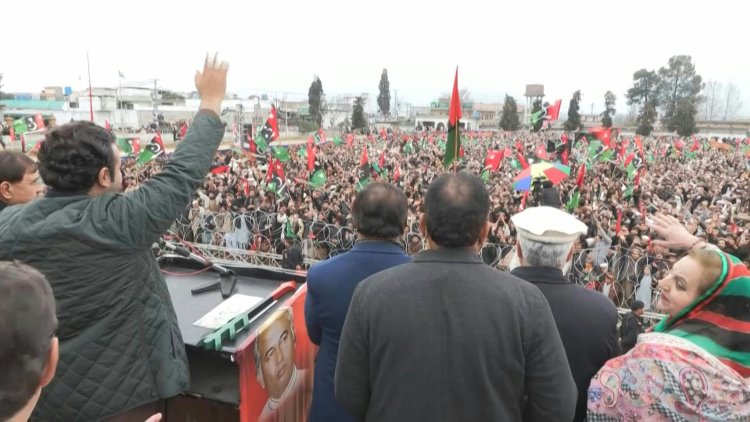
548 225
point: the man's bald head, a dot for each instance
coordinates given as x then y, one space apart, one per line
380 210
456 210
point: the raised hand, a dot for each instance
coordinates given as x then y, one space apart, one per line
674 235
212 83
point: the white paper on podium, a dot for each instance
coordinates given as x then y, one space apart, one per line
226 310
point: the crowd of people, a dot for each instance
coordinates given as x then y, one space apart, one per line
417 331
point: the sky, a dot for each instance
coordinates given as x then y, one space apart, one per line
276 47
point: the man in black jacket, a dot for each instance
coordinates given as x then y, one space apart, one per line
586 320
632 326
448 338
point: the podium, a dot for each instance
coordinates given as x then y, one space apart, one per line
235 381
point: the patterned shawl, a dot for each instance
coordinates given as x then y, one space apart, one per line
693 367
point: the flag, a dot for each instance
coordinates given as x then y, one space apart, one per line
261 142
637 180
397 174
183 130
382 133
249 148
318 178
603 134
541 152
523 200
381 160
119 73
320 136
365 170
454 134
696 146
281 153
337 141
619 222
553 110
628 160
507 153
493 160
310 158
39 121
107 126
575 198
289 230
154 149
639 145
522 160
220 169
628 192
20 127
349 140
270 131
581 175
278 169
124 145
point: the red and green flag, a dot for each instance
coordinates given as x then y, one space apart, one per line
269 132
453 146
365 170
154 149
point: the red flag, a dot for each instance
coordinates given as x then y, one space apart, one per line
381 160
249 146
523 200
278 169
382 133
564 138
603 134
370 137
696 146
619 222
397 174
431 139
158 140
269 171
581 176
274 123
519 146
628 159
461 151
637 180
136 145
39 122
310 142
349 140
365 159
564 157
679 145
553 111
107 126
493 160
639 144
310 157
183 130
522 161
220 169
622 151
541 152
507 153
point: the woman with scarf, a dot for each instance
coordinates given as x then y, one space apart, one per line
695 364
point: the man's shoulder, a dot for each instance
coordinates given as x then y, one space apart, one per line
593 299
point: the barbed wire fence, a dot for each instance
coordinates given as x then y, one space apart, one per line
256 238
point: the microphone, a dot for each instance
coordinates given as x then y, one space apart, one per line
179 250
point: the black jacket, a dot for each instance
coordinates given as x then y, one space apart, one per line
586 320
632 326
448 338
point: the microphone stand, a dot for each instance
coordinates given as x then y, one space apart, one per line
227 278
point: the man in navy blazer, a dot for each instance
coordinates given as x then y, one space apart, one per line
379 212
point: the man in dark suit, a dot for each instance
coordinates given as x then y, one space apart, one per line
379 213
586 319
448 338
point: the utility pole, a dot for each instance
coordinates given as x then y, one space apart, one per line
155 97
395 103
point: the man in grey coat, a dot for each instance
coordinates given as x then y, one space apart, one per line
121 350
447 338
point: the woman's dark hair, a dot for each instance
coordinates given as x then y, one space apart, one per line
456 209
380 210
72 155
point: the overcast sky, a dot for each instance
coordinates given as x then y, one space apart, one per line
277 46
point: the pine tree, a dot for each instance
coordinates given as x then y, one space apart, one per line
644 93
537 106
574 117
358 114
609 109
315 99
509 119
384 98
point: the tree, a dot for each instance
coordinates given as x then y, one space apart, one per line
732 101
537 106
358 114
509 119
609 108
712 101
574 117
644 94
677 81
684 117
384 98
315 99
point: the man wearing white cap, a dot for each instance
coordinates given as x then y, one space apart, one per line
586 320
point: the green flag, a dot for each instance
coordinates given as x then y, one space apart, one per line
631 171
515 164
453 146
281 153
261 142
607 155
318 178
288 231
337 141
124 145
595 148
19 126
486 175
302 153
152 150
408 148
573 201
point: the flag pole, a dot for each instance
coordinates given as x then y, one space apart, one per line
91 95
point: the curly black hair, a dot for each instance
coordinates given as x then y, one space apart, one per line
456 209
72 155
